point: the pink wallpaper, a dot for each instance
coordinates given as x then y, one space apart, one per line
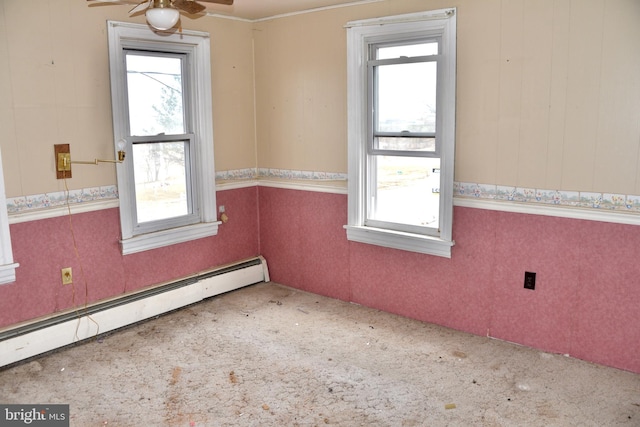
586 302
587 297
300 238
44 247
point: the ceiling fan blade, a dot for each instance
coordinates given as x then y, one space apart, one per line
141 6
188 6
227 2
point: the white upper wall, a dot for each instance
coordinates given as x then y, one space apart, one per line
548 91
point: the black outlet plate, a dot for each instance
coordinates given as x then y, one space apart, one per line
529 280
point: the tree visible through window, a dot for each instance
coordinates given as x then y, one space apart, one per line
155 99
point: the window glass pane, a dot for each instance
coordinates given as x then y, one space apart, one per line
406 97
160 180
408 50
154 89
406 191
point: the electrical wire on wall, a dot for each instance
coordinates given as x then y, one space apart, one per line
82 275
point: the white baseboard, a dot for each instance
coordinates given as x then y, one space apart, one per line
32 339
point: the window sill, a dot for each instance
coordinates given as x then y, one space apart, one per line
163 238
398 240
8 273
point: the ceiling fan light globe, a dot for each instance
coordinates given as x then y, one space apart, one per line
162 18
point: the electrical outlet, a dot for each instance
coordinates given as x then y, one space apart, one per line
67 277
529 280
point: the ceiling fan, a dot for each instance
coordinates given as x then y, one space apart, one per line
164 14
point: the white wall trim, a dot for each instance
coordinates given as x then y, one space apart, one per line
474 196
301 12
288 185
268 18
551 210
234 185
53 212
504 206
322 188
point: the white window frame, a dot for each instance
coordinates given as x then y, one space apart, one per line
196 45
360 35
7 266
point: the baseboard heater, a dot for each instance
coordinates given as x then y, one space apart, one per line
30 339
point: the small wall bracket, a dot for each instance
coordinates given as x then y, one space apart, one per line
62 153
62 157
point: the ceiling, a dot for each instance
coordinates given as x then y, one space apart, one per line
252 10
260 9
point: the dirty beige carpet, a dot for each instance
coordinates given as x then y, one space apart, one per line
268 355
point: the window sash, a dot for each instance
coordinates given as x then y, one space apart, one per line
192 206
193 215
373 134
372 196
184 86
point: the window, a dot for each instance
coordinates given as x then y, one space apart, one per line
7 266
161 103
401 105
